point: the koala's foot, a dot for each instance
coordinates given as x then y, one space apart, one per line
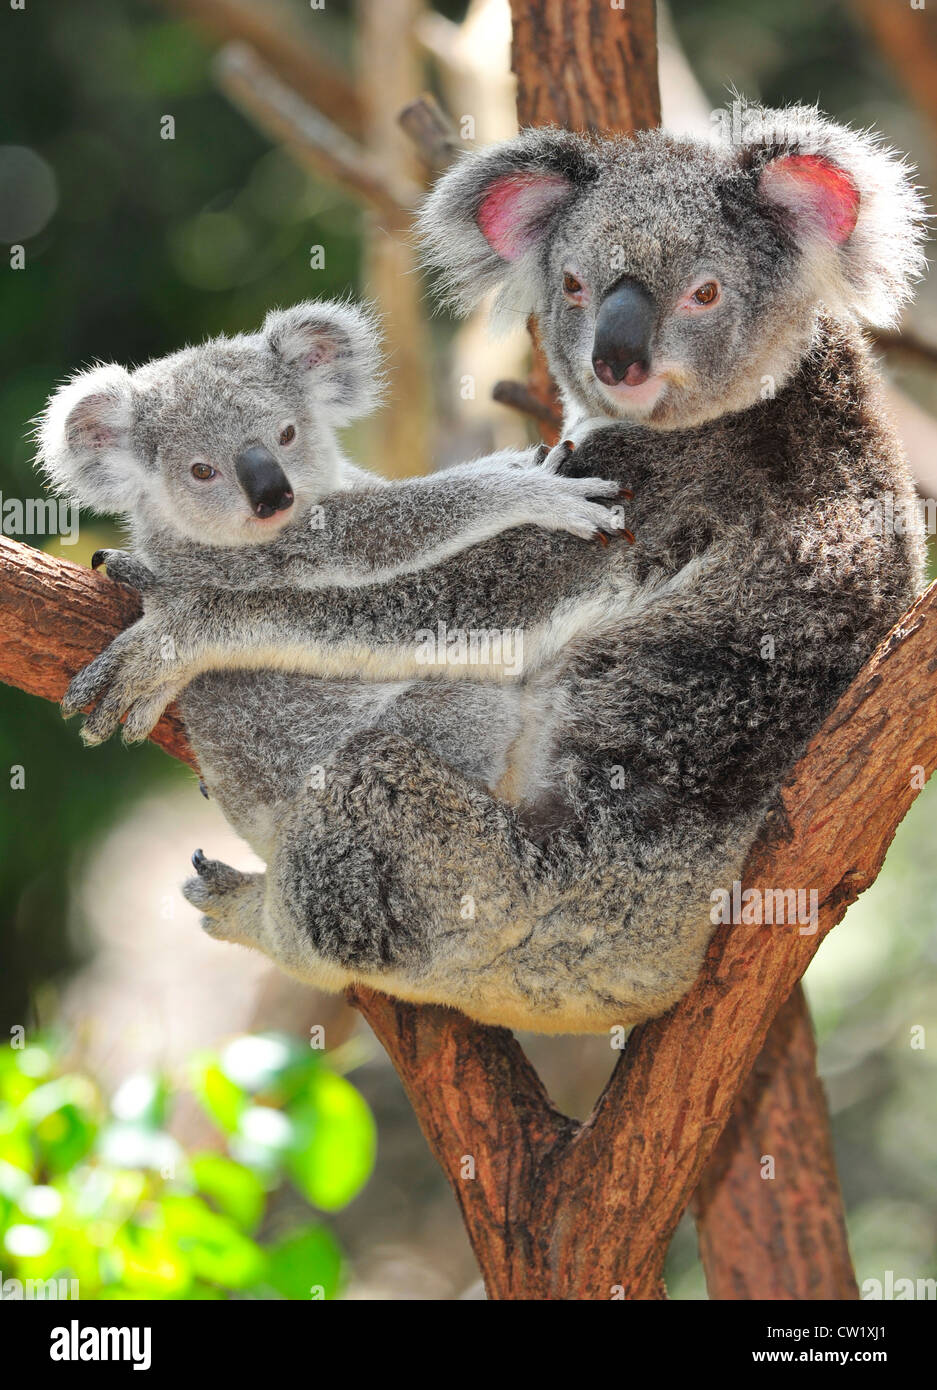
123 568
232 901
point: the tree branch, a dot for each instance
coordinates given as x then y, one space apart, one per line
555 1209
315 77
778 1233
310 137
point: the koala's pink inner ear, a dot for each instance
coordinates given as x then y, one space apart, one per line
512 212
815 192
318 352
93 423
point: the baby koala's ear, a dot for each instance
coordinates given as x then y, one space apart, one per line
335 349
85 440
848 201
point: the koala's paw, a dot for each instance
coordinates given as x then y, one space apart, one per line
136 675
227 897
123 568
570 504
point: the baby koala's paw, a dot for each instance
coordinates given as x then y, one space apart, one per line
577 505
124 568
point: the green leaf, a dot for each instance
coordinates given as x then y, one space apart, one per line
61 1112
215 1248
220 1096
274 1064
236 1190
335 1142
141 1099
304 1265
150 1261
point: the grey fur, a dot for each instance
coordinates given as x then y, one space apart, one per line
655 725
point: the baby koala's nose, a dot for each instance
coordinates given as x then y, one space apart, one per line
265 484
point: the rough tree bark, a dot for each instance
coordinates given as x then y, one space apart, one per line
776 1233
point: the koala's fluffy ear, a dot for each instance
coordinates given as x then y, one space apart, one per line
848 201
493 208
84 438
335 350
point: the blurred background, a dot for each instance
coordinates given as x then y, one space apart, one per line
176 1119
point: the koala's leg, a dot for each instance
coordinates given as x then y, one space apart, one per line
406 876
236 908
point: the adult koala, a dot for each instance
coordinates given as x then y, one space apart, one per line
700 304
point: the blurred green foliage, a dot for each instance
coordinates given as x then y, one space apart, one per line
103 1194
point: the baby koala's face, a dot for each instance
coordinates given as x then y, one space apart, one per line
222 444
234 443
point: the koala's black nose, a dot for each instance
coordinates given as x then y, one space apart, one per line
621 350
266 485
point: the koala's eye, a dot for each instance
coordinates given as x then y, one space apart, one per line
202 471
571 285
288 434
706 294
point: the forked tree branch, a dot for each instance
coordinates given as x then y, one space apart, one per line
556 1209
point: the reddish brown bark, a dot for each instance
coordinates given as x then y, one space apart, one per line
586 66
54 618
768 1207
555 1209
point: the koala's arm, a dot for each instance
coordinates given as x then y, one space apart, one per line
510 588
376 530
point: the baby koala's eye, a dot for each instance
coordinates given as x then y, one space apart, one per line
202 471
706 294
570 284
288 434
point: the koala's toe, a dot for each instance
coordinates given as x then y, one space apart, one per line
123 568
144 714
214 877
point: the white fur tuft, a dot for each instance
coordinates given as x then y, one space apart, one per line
83 439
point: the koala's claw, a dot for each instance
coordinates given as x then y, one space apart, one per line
123 568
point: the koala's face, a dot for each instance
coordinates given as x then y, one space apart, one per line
677 280
234 443
664 297
222 443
